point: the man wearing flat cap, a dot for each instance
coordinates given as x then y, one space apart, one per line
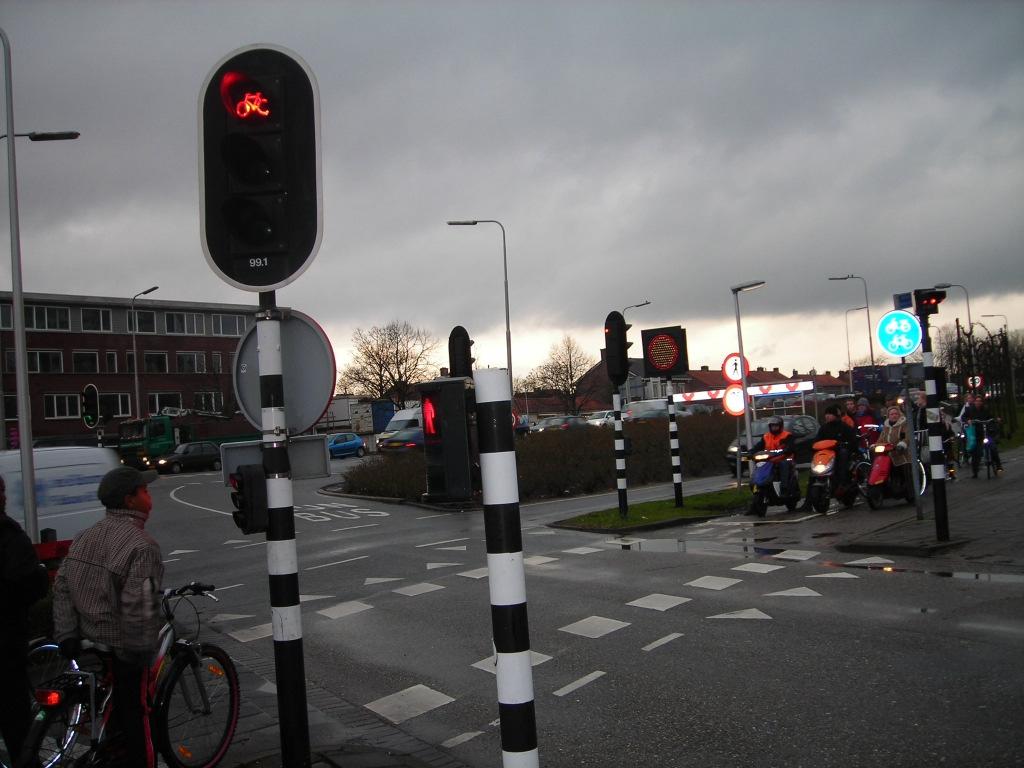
108 590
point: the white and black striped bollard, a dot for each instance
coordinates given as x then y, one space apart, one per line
673 442
282 560
506 575
620 457
933 418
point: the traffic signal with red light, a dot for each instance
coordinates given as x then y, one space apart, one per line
460 361
616 355
90 401
259 159
249 495
449 439
927 300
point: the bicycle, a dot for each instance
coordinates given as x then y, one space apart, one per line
984 443
194 711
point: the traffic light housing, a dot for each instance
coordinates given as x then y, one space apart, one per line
249 495
90 406
260 166
927 300
616 355
449 439
460 361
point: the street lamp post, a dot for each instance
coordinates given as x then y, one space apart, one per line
849 364
504 263
970 327
135 348
28 484
736 291
867 306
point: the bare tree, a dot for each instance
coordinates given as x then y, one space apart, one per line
388 362
561 372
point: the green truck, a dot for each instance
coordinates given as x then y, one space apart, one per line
140 440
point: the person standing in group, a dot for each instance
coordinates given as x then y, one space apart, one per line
108 591
23 581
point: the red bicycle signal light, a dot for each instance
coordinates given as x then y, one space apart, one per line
927 300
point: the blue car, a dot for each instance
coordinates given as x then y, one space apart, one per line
345 444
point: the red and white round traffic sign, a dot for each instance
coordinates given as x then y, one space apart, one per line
731 368
974 382
733 400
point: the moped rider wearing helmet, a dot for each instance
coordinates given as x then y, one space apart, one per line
775 438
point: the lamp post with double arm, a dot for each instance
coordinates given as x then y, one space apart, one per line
736 291
135 349
867 306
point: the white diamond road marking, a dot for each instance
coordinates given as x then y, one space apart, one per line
659 602
253 633
230 617
582 550
748 613
344 609
578 683
865 561
490 663
476 573
661 641
380 580
267 688
418 589
758 567
407 704
435 566
462 738
795 592
835 575
796 554
310 598
539 560
713 582
593 626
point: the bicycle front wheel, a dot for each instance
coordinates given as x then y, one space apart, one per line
198 711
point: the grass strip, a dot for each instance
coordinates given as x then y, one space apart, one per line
726 501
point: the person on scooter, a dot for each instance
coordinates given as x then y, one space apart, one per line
775 438
846 446
979 411
894 431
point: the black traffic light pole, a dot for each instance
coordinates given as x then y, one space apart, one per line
933 419
616 359
282 560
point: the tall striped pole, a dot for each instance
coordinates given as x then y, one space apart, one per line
506 575
673 442
933 419
620 456
282 561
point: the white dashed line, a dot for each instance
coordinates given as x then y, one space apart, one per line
353 527
462 738
336 562
380 580
446 541
579 683
435 566
661 641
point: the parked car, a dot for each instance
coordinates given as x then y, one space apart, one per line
199 455
559 422
402 441
345 444
804 428
601 418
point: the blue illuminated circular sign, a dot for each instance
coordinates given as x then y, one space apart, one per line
899 333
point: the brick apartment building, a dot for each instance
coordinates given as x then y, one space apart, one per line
187 353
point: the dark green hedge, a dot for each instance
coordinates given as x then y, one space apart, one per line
571 462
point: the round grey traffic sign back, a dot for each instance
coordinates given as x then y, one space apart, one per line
307 370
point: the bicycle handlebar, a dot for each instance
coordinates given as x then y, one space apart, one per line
193 588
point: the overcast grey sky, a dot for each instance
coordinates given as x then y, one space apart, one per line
633 150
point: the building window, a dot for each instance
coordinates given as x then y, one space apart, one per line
96 319
188 323
228 325
85 362
160 400
45 361
47 318
216 361
209 401
129 362
111 362
115 405
6 317
10 407
61 406
191 362
154 362
146 321
10 366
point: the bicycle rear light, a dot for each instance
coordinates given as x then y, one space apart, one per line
49 697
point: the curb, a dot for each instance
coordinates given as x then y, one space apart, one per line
894 548
563 524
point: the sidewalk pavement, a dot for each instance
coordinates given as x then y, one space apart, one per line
341 733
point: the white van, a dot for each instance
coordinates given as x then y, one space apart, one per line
407 418
67 479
